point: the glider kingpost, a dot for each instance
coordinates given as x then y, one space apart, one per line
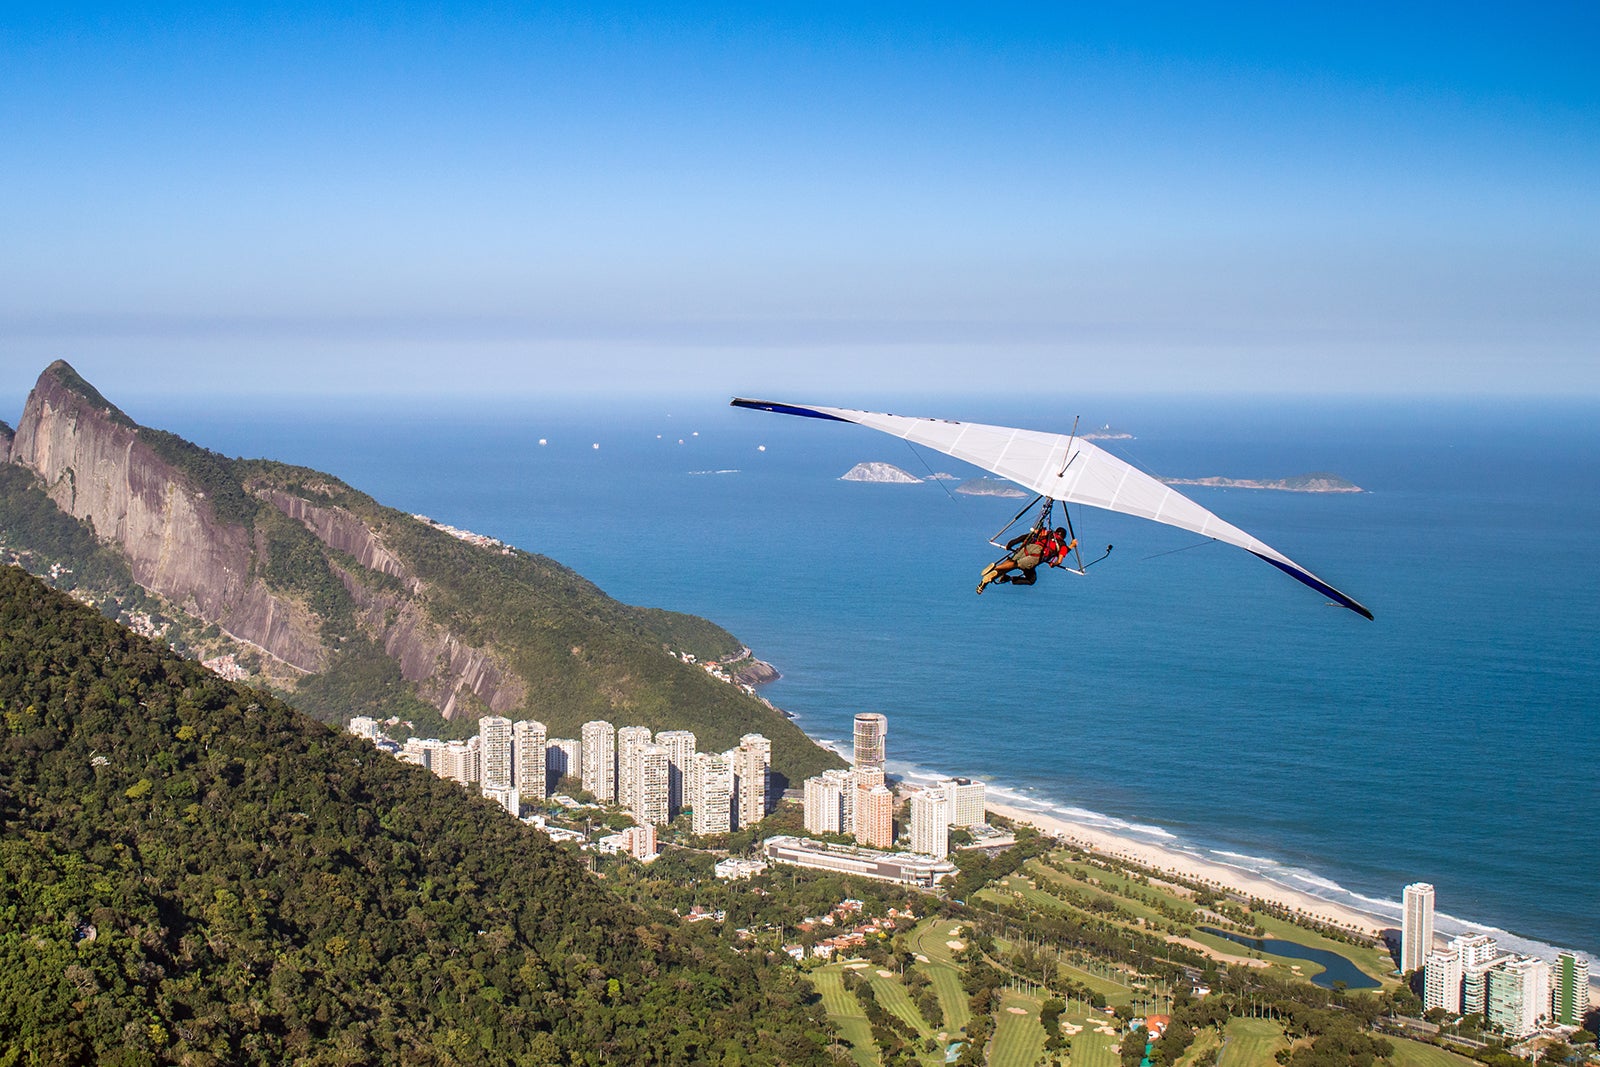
1067 469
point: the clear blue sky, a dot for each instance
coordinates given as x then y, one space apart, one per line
812 201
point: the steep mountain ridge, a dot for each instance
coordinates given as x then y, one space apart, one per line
378 611
96 467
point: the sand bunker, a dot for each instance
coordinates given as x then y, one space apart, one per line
885 974
1105 1030
921 958
954 946
1018 1011
1071 1028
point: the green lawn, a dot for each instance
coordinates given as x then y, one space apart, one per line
845 1013
1018 1039
1416 1054
1090 1049
1132 907
1251 1043
1083 872
897 1002
931 940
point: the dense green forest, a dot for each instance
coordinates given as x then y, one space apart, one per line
191 871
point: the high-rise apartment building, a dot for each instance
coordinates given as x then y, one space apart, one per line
1518 995
752 763
680 764
1416 928
1441 981
930 823
825 809
1569 994
458 761
1474 949
530 750
872 731
874 816
630 740
563 756
712 794
600 760
651 788
968 802
495 767
1475 986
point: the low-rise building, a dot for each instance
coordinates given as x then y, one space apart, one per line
906 867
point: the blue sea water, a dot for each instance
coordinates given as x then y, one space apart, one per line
1183 692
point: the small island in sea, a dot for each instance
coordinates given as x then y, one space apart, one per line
1319 482
879 472
1106 433
989 487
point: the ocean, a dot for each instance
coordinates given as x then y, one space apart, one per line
1183 692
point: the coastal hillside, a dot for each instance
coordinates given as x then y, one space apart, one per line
193 872
288 577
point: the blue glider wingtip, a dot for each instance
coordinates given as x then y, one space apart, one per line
1319 585
784 409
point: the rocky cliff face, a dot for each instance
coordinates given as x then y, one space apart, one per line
95 467
443 666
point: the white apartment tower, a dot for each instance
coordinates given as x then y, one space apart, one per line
599 752
752 761
531 745
825 809
968 802
1441 981
872 731
630 740
712 796
651 787
680 764
495 767
1416 929
930 823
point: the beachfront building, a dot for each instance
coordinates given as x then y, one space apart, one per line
600 760
825 805
1475 949
1441 981
752 762
930 823
679 745
530 752
1475 986
872 731
968 802
874 815
1518 995
494 754
1569 994
562 756
1416 929
711 794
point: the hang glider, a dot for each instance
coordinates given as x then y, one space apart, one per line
1067 469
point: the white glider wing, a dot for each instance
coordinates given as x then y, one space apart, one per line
1064 468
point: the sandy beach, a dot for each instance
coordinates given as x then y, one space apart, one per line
1194 869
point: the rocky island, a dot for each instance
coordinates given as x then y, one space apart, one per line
1320 482
879 472
989 487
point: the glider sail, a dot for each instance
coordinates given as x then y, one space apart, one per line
1064 468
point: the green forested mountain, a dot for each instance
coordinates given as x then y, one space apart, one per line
192 872
343 605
